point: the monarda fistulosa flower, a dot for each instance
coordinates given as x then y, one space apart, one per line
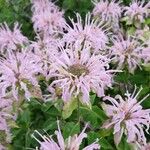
6 117
106 11
78 72
47 17
89 30
137 12
126 116
71 143
18 73
127 52
11 39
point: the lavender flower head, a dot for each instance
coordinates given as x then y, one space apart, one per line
127 52
6 115
72 143
78 72
107 11
18 72
137 11
11 39
45 48
2 147
46 17
91 31
127 116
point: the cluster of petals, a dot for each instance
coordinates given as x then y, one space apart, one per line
18 71
137 11
127 52
5 116
2 147
107 11
5 104
11 39
126 116
45 48
72 143
76 73
47 17
88 30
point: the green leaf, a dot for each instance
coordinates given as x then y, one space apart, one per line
105 132
95 115
123 145
92 98
147 21
106 144
147 67
131 30
25 116
50 124
69 108
69 4
71 129
93 136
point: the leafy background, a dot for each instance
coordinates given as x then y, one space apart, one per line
38 115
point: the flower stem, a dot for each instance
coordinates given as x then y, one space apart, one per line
78 113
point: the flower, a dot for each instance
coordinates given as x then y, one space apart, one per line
143 34
18 72
137 11
4 105
107 11
146 147
45 48
46 17
127 116
72 143
91 31
6 115
2 147
77 72
127 52
146 55
11 39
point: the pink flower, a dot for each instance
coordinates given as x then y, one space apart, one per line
127 52
127 116
6 115
107 11
45 48
2 147
4 104
89 30
137 11
78 72
146 147
46 17
146 55
18 72
11 39
72 143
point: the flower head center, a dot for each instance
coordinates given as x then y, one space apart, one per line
129 50
78 70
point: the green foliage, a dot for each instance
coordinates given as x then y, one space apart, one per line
36 115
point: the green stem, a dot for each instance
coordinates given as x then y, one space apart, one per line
78 109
